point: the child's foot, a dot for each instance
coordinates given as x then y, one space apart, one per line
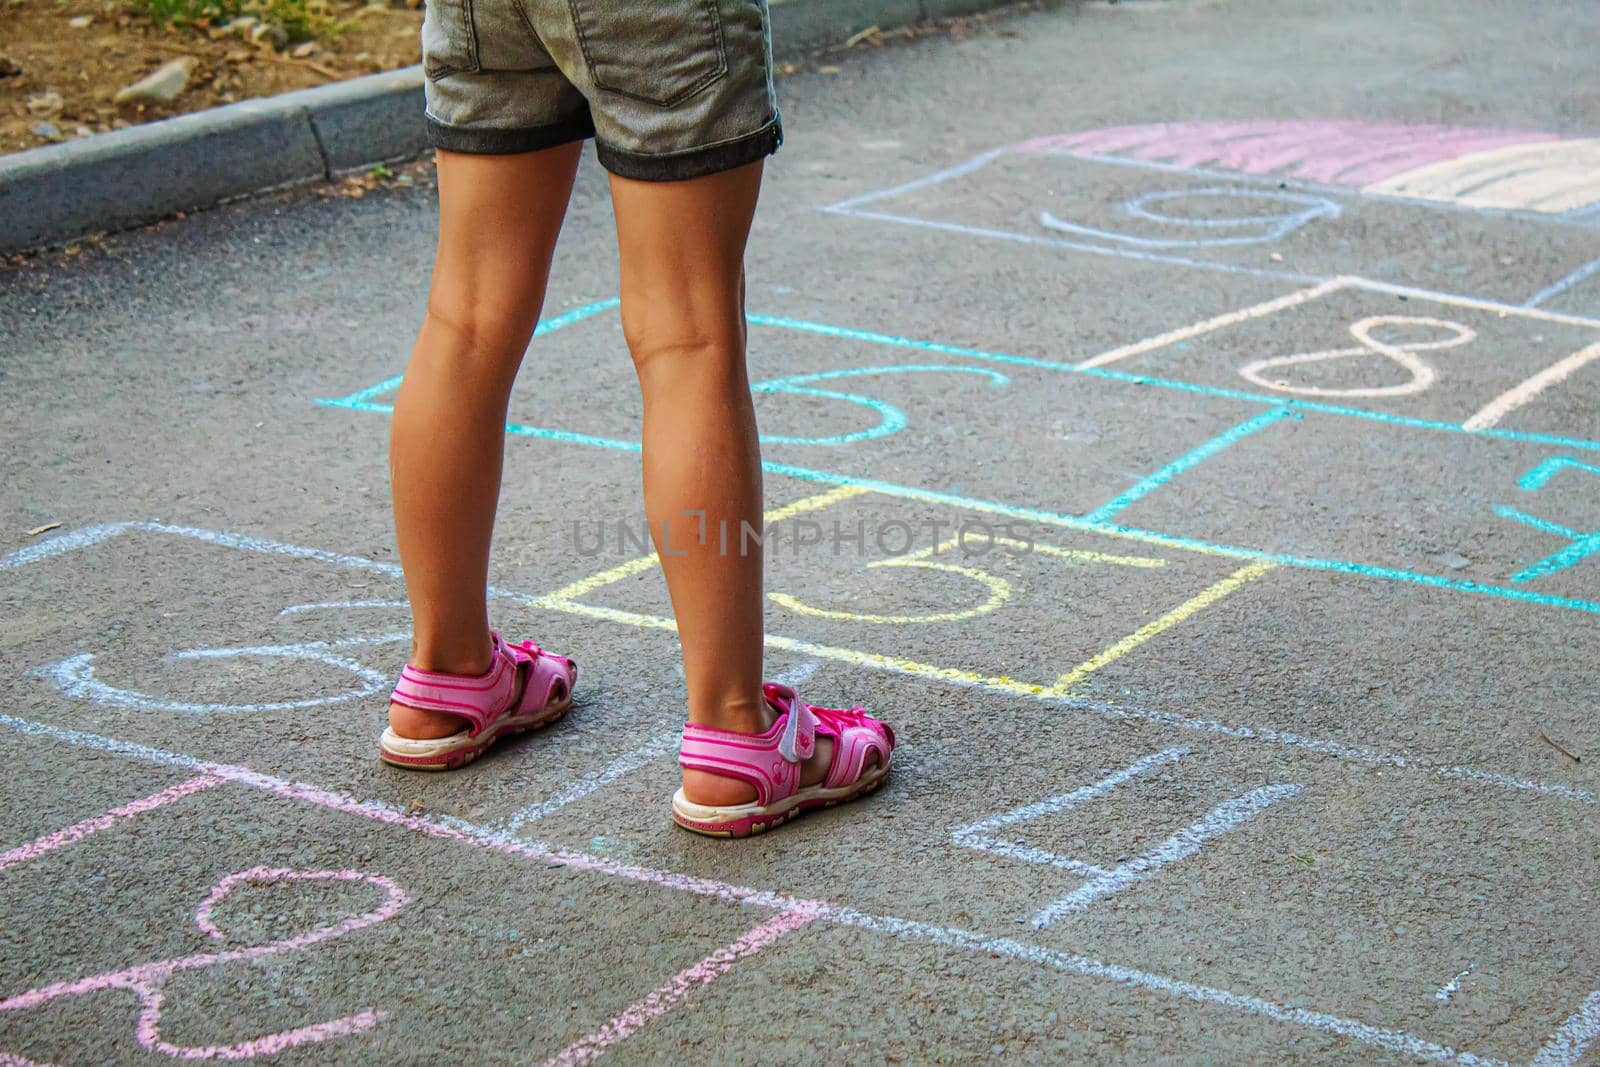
737 784
440 721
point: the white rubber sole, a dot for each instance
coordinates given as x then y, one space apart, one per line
742 820
459 749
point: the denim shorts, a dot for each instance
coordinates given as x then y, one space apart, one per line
669 89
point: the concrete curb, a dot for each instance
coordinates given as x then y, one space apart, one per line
128 177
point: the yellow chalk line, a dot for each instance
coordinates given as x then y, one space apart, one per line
643 563
999 593
916 669
853 656
566 600
1197 603
951 544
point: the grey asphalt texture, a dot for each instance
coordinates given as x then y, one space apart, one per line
1420 885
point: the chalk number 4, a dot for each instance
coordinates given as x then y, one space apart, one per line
1579 545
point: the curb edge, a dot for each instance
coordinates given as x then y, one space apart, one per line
129 177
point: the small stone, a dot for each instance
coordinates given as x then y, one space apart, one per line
84 131
269 35
304 50
46 105
81 22
9 68
242 25
161 85
239 56
47 130
1455 561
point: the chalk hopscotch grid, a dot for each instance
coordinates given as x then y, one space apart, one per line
904 928
1572 1037
1565 1046
364 400
88 536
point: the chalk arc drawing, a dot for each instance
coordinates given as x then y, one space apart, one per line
999 592
1209 232
75 677
1524 170
1422 375
148 981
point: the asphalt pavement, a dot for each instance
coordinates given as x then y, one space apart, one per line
1184 426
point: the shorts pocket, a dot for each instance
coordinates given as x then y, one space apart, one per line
449 39
660 53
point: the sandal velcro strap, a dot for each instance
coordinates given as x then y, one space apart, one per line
771 761
479 699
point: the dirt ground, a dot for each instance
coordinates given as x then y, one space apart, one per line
42 51
45 47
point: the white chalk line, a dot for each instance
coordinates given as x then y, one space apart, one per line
1573 1038
1378 1037
1321 289
76 679
1573 1035
342 605
1561 285
1448 990
978 835
594 781
1226 816
1080 246
1477 303
852 208
1104 709
1218 322
1520 394
962 169
1404 355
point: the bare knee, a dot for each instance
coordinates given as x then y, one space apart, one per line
672 338
477 334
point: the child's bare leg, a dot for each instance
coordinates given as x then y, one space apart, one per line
498 221
682 246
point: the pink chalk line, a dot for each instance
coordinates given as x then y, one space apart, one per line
148 981
1335 152
664 998
79 830
452 829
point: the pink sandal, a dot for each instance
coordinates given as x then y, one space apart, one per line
772 761
484 701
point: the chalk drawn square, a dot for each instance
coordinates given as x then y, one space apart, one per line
838 402
1447 207
866 576
1355 343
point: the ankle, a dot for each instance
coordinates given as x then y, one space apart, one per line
468 659
740 716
